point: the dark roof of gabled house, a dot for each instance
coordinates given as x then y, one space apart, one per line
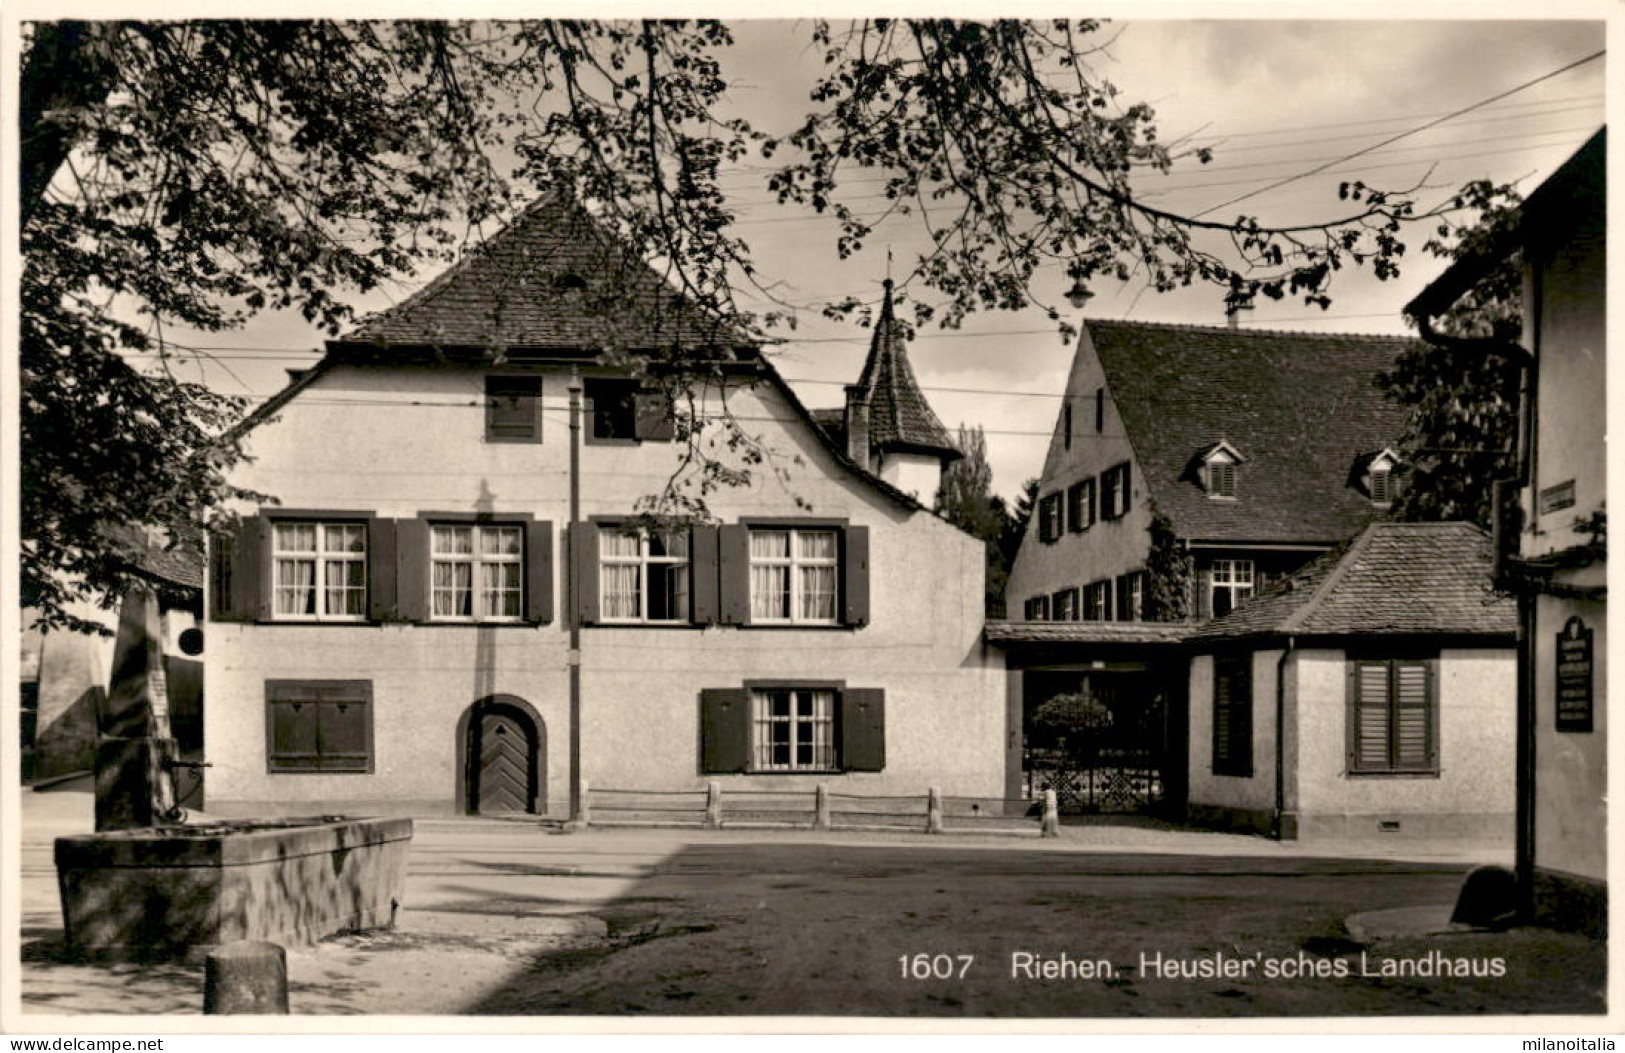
1392 579
900 418
553 278
1301 407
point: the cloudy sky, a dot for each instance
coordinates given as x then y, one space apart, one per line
1273 99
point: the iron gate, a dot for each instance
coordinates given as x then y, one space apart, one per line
1117 767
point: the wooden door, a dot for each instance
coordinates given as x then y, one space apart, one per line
506 772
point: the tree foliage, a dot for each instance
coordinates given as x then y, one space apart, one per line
1169 572
966 499
1463 398
194 173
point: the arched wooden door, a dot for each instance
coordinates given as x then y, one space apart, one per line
504 760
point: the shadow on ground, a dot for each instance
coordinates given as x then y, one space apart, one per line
821 929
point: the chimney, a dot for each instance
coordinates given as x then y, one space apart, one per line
856 421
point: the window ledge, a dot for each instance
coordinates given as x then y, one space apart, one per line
1393 774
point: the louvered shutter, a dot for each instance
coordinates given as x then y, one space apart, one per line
733 575
412 569
725 730
702 555
382 576
855 576
1221 719
1412 747
539 571
863 729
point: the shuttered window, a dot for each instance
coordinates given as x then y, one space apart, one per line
1393 716
513 409
319 570
1049 517
1080 506
318 725
781 727
1232 715
1114 491
477 572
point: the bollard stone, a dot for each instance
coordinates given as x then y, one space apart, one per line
713 804
585 818
933 810
821 817
1050 826
246 977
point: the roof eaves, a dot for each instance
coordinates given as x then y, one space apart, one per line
267 409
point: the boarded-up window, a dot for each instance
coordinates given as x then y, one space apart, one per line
1393 716
319 725
1232 715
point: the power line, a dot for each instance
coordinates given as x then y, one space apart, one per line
1406 134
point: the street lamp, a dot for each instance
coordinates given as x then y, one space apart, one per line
1079 294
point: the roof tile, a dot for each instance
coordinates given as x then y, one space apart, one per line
1299 407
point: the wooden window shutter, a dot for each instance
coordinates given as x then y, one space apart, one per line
584 572
235 562
412 569
652 418
258 556
863 729
1413 736
1204 593
725 730
539 571
702 575
733 574
1368 716
382 599
855 572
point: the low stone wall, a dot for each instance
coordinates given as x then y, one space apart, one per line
173 891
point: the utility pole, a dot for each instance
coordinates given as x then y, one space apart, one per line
574 539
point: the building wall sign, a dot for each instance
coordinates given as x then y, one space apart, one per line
1574 677
1556 498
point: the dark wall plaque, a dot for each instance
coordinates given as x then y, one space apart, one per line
1574 676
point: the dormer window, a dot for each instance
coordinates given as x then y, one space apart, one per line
1381 482
1219 471
1382 486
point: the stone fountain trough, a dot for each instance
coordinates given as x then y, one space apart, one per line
178 891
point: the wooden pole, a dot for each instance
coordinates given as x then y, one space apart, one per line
933 811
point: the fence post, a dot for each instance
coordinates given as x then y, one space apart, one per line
1051 825
933 811
713 804
821 808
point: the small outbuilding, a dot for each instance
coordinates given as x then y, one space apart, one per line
1370 694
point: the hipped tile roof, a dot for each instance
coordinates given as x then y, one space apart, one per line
553 278
1299 407
899 415
1393 579
1086 632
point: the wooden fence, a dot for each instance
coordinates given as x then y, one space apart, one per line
819 809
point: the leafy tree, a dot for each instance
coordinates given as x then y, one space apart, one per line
966 499
193 173
1169 571
1463 397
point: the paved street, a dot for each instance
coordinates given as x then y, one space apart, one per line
509 918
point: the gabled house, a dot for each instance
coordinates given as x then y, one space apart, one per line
1553 552
1259 450
1189 467
1368 694
455 605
